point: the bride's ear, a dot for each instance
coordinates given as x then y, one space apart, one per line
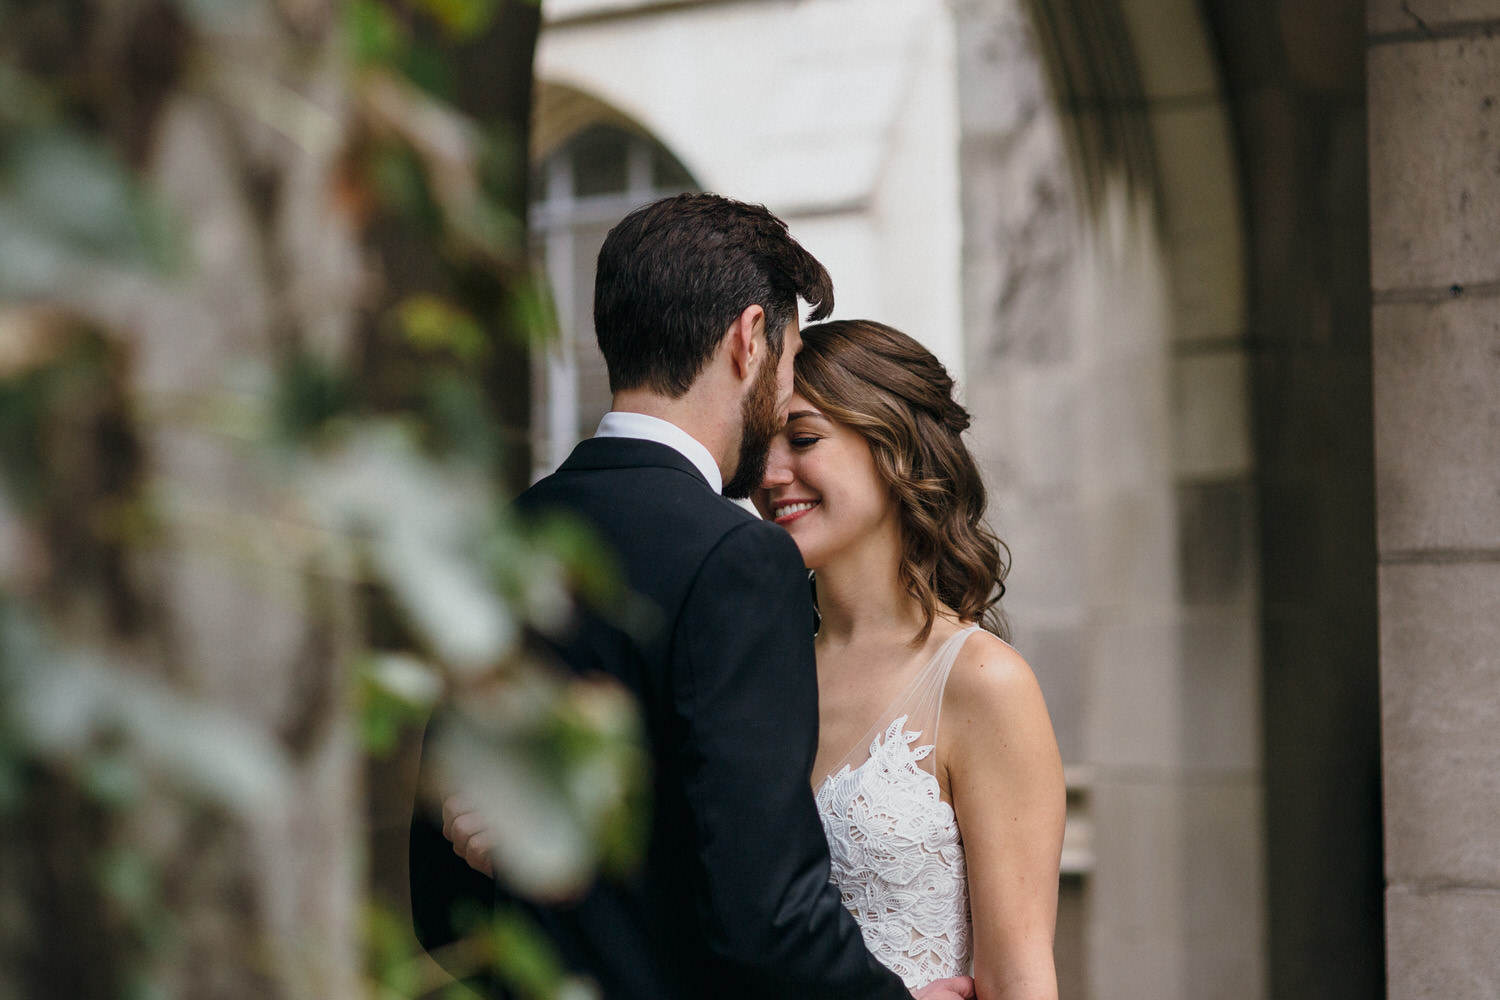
746 341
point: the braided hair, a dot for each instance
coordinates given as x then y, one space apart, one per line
891 389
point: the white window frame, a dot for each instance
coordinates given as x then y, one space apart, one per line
554 220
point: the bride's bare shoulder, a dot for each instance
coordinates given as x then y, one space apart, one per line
991 684
987 661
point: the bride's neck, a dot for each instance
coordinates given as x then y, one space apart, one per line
861 598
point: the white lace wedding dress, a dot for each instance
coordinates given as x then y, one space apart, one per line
897 857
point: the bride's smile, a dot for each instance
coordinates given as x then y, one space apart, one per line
788 511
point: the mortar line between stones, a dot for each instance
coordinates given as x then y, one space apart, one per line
1438 557
1405 296
1431 888
1442 32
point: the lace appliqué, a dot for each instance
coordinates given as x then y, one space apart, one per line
897 859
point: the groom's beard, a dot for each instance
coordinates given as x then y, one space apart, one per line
760 421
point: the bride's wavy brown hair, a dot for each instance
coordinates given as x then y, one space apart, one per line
890 389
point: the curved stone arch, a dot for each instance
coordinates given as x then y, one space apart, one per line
572 207
1106 329
560 112
563 108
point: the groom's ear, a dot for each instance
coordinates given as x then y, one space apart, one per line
746 341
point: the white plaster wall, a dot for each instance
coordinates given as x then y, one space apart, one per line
839 115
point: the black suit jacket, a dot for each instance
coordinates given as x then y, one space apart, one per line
733 899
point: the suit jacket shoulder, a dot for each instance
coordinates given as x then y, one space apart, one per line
653 511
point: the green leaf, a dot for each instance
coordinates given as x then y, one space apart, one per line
437 325
534 313
129 878
401 185
394 694
67 203
461 19
523 956
429 66
309 394
374 34
111 780
459 417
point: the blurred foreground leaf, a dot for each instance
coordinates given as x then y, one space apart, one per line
557 770
64 704
67 205
396 692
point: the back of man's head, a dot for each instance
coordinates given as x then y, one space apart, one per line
674 274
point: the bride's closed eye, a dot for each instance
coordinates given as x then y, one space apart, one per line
803 441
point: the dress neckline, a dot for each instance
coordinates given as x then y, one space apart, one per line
885 716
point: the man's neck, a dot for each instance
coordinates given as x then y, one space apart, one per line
691 412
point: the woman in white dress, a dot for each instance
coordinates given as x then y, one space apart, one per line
937 774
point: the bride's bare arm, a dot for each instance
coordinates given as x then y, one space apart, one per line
1006 780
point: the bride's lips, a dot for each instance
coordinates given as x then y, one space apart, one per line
786 511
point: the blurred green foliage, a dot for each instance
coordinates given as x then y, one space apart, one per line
387 462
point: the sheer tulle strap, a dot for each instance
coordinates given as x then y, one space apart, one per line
924 709
921 702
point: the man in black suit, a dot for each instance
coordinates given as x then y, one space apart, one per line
696 314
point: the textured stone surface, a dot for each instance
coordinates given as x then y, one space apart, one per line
1434 186
1139 884
1294 72
1130 544
1168 37
1211 414
1437 424
1386 16
1048 559
1224 889
1135 709
1324 44
1440 671
1442 944
1220 706
1201 209
1043 427
1215 553
1056 654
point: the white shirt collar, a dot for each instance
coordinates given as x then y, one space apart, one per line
621 424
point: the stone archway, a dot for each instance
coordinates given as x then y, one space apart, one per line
1106 319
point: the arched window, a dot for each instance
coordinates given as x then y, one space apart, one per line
579 192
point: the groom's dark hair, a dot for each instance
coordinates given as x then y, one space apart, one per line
674 274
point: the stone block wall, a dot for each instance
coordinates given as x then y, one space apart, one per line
1294 77
1434 79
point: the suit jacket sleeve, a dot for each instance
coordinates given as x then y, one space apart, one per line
745 687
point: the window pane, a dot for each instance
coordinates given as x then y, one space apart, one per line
599 162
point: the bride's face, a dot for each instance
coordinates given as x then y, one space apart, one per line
822 487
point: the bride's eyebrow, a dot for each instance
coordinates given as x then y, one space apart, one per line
801 414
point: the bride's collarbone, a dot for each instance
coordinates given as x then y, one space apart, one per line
869 662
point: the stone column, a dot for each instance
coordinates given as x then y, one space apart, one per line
1434 104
